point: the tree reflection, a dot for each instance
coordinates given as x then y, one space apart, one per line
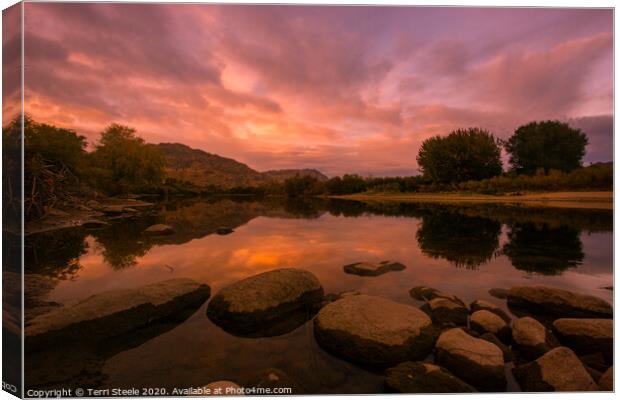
465 241
543 249
55 254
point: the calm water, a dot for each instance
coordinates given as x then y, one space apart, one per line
465 250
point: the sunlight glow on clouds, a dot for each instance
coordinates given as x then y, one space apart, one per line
341 89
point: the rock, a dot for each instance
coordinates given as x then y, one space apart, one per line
476 361
586 336
606 382
222 388
530 338
489 337
558 302
94 224
54 212
93 205
374 331
113 209
115 312
446 312
485 321
421 377
224 230
274 378
423 293
499 293
557 370
159 230
488 306
254 303
594 374
372 269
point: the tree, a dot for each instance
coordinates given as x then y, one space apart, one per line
546 145
123 162
303 185
463 155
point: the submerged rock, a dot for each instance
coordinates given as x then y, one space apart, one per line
374 331
446 312
264 300
485 321
586 336
372 269
557 370
531 339
606 382
499 293
476 361
159 229
421 377
424 293
558 302
116 312
94 224
478 305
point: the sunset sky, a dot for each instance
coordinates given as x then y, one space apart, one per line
341 89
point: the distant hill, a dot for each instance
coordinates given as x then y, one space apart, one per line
280 175
203 169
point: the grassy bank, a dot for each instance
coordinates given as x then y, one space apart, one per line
587 199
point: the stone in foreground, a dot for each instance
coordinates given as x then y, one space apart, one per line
483 321
372 269
558 302
222 388
559 370
488 306
586 336
374 331
159 230
446 312
253 303
607 380
421 377
476 361
530 338
499 293
116 312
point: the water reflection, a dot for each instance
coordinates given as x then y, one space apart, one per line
467 242
544 249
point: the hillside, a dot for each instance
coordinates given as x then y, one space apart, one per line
204 169
280 175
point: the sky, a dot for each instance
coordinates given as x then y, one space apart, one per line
341 89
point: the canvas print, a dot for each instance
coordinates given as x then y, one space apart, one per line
218 199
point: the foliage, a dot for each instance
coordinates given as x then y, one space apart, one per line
304 185
546 145
465 154
124 163
348 184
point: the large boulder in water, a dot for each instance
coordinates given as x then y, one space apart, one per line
374 331
373 269
265 300
425 293
479 305
558 370
115 312
446 312
422 377
558 302
586 336
531 339
476 361
483 321
606 382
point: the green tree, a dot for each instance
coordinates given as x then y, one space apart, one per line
546 145
123 162
463 155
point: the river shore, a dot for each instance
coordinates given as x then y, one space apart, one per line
603 200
